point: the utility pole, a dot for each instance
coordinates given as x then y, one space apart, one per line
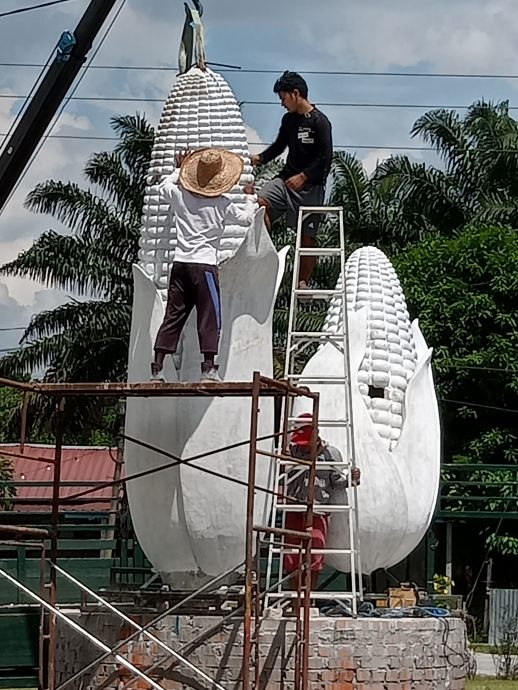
71 54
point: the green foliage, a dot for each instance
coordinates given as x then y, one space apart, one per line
10 401
479 182
490 684
7 493
463 289
442 584
505 544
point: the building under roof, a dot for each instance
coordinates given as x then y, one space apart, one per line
81 468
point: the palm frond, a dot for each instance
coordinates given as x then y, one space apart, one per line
425 196
74 316
136 143
446 133
267 172
87 215
70 263
352 191
32 357
497 208
107 171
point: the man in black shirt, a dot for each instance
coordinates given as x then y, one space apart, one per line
306 132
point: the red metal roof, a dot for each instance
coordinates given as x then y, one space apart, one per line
78 464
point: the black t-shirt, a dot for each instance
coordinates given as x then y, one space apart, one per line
310 146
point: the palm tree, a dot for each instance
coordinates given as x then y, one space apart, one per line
478 181
86 339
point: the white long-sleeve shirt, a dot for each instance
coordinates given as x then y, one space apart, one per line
200 221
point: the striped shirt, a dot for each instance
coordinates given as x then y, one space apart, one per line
326 480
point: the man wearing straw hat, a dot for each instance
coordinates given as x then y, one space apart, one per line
197 196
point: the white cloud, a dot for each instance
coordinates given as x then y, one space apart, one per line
14 315
466 35
372 159
68 120
255 143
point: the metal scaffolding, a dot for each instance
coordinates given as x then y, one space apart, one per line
253 608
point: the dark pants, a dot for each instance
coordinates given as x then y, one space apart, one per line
297 522
191 285
281 199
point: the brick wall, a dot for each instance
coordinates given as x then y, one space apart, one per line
363 654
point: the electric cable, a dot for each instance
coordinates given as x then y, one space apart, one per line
332 73
20 10
337 147
29 95
335 104
64 105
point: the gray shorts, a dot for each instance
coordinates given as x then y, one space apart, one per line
282 200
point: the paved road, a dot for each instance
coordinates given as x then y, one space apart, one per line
487 664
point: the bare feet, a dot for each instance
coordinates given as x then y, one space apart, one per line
304 286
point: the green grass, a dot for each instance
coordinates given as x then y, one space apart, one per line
490 684
489 649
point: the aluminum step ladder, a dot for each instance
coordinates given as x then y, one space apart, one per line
297 342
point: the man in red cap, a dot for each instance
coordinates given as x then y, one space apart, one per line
326 482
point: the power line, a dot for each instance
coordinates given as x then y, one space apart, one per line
413 106
475 368
93 137
33 7
63 107
15 328
337 147
333 73
29 95
138 99
447 366
486 407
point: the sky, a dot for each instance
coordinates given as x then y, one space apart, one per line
469 37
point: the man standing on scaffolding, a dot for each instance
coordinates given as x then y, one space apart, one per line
197 192
306 133
327 481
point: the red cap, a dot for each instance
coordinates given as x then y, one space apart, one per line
303 431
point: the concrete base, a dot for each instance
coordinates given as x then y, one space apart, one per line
346 654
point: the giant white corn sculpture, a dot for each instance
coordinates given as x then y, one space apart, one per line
396 436
192 525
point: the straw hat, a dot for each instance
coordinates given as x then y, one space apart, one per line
210 172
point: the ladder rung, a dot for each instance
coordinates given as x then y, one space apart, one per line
318 294
320 251
317 379
321 465
316 335
284 459
285 549
323 422
321 209
331 508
